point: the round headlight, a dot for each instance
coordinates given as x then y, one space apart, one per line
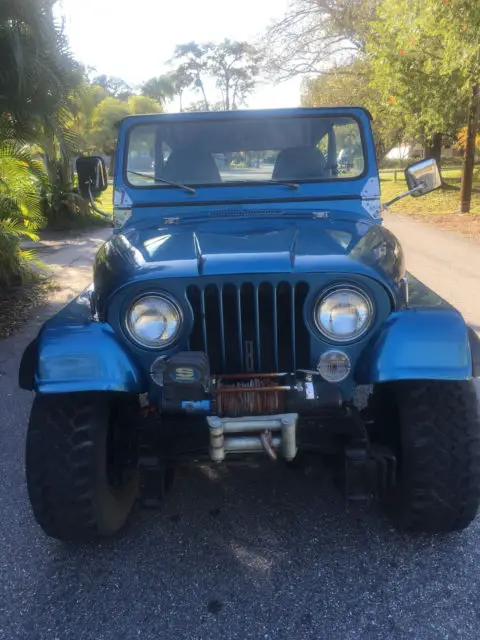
154 321
343 314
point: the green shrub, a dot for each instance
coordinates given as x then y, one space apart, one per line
21 179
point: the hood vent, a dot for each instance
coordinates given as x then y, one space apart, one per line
241 213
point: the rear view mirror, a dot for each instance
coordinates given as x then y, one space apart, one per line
92 175
423 177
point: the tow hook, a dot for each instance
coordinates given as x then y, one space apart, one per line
267 442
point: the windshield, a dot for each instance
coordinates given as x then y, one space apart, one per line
253 150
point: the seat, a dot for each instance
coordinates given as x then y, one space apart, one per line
191 166
299 163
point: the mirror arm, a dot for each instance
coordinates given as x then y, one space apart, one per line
94 206
419 187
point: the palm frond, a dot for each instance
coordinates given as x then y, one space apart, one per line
38 82
15 229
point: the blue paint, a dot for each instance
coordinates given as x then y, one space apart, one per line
85 358
197 406
294 245
419 344
322 233
76 353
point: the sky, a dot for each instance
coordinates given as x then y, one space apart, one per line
134 39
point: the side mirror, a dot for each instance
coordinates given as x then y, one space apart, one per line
92 175
423 177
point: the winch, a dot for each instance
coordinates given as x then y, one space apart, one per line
187 386
245 412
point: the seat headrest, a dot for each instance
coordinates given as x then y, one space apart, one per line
191 166
299 163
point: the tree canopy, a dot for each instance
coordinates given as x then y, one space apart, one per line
232 67
315 35
162 88
350 85
413 68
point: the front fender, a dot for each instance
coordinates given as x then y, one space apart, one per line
68 359
73 352
419 344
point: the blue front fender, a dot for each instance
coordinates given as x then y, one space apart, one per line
418 344
74 353
84 358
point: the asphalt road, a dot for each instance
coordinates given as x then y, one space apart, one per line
447 263
235 554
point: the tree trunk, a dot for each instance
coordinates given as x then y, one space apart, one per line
433 148
202 89
469 158
227 93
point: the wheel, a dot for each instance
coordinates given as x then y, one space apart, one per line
433 428
80 464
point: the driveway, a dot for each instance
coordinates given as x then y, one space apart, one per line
236 554
448 263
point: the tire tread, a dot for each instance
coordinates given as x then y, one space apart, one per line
440 436
61 463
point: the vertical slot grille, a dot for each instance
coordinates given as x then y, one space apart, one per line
251 328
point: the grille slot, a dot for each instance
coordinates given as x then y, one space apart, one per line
251 328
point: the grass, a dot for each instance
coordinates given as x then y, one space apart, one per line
440 208
440 202
105 202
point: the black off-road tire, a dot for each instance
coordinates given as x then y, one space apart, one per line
434 429
68 444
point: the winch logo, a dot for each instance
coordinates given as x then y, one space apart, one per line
185 374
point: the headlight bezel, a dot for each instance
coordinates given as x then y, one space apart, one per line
339 288
166 297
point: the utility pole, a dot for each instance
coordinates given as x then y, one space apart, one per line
469 159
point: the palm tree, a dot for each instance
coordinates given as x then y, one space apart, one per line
160 89
181 79
37 71
37 79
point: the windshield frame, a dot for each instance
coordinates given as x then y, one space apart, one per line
225 116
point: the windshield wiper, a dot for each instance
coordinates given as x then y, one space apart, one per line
162 181
292 185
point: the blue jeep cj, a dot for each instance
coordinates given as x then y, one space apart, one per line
248 289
